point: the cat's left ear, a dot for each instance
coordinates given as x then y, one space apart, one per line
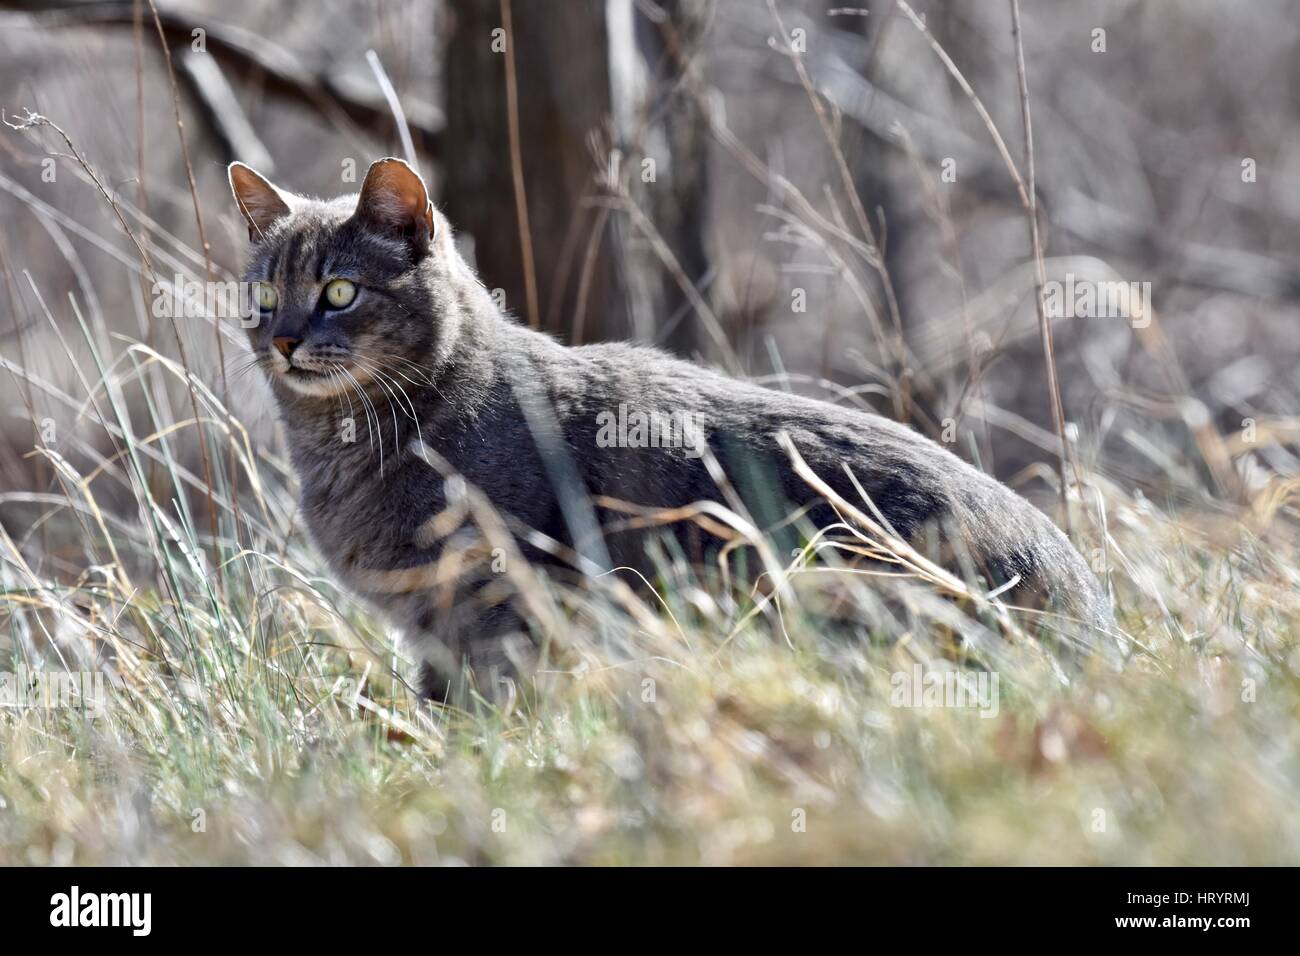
394 202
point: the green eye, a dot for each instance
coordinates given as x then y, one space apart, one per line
267 297
339 293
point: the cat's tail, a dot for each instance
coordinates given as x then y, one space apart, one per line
1020 544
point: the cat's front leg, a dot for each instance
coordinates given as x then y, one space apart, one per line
466 654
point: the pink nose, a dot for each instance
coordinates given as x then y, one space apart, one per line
285 344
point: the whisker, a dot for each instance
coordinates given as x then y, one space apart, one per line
369 409
378 379
423 374
380 371
344 394
334 380
409 410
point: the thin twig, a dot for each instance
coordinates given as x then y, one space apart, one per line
1025 200
207 268
32 120
517 171
394 104
850 189
1040 272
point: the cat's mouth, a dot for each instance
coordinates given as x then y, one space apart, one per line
312 381
304 374
315 375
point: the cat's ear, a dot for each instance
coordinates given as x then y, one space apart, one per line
260 203
394 202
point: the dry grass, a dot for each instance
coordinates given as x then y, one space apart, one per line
265 723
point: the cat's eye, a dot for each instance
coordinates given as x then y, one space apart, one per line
339 293
267 297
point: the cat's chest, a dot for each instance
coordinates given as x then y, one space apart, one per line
364 516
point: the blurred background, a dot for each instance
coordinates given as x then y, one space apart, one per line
803 192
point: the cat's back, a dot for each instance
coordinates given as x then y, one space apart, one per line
909 477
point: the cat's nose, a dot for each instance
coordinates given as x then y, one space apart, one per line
285 344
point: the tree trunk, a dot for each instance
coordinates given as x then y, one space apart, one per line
562 82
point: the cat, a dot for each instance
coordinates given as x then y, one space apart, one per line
370 318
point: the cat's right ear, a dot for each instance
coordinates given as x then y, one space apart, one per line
260 203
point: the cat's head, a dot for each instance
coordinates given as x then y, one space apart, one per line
348 287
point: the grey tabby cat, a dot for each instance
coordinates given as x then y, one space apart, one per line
370 316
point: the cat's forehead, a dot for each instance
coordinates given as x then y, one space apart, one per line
320 215
311 224
318 236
